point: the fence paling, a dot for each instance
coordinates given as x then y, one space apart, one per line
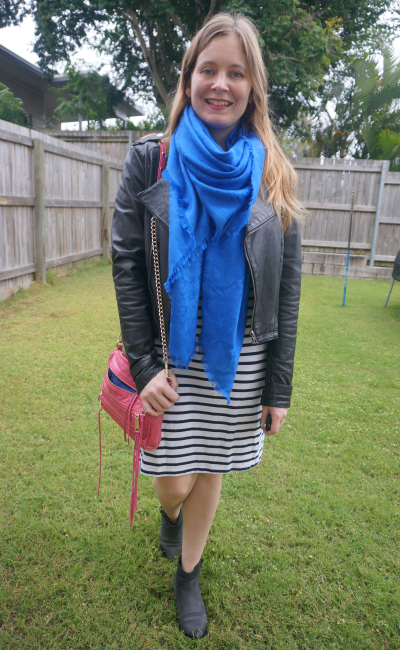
40 217
385 166
105 212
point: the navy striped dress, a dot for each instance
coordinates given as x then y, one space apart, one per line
201 432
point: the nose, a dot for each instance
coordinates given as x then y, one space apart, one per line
220 82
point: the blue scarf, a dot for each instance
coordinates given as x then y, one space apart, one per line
210 195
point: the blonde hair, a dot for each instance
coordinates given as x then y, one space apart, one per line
278 177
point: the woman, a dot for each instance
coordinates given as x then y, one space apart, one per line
229 251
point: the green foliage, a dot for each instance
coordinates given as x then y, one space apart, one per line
364 115
91 94
11 108
301 39
303 553
156 120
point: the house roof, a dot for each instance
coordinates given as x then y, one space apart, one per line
27 82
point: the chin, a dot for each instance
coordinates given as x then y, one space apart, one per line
216 123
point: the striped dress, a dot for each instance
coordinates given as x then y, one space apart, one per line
201 432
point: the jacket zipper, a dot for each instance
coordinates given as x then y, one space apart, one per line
252 334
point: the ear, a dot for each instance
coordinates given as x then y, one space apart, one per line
188 91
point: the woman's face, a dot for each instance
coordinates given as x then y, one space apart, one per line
220 86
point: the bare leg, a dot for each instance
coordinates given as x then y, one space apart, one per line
172 492
199 509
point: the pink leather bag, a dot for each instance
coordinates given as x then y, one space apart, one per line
119 396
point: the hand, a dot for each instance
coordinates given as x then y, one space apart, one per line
158 395
277 418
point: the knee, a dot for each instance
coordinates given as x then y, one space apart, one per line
175 489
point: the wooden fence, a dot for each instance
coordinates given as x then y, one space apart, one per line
56 203
325 188
103 143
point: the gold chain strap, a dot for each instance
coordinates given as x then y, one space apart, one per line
159 294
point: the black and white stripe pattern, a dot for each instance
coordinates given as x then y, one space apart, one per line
201 432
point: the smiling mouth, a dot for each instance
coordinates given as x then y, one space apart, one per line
218 102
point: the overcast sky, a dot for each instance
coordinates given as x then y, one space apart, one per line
20 40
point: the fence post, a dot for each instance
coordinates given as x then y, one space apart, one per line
40 215
385 166
105 210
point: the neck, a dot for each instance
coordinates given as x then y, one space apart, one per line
219 137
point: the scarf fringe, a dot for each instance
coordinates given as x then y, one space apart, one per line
182 365
186 260
182 205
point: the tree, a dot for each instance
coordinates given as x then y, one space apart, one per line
11 108
360 115
300 39
92 95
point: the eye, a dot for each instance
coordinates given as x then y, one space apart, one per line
237 75
206 71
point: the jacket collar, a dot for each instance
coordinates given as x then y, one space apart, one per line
156 200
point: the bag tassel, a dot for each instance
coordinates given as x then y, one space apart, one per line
135 474
98 483
136 455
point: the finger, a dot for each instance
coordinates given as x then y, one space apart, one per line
264 415
169 392
149 409
160 386
158 393
155 404
276 425
265 419
159 396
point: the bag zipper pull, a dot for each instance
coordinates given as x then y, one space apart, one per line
167 377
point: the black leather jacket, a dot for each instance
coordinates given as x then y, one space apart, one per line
274 259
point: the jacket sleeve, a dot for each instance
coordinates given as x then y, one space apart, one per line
280 356
130 272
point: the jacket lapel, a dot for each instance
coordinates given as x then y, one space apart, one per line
260 213
156 200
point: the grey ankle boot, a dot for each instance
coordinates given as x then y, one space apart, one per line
171 535
192 611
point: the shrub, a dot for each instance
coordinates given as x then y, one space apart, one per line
11 107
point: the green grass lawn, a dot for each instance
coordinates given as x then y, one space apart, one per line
303 552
